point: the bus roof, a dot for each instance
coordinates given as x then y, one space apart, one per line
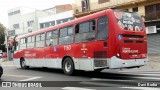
79 20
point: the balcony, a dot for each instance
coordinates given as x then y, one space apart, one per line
94 7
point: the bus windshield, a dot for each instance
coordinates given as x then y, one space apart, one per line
128 21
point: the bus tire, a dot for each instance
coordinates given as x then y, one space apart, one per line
23 64
68 66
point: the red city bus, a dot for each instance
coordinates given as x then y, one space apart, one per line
106 39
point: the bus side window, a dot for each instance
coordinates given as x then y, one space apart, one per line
54 37
49 38
66 35
30 42
22 43
38 38
85 31
33 41
102 28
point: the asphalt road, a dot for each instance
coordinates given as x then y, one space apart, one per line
110 79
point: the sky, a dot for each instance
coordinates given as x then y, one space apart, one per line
5 5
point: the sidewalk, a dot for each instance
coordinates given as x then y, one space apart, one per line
7 63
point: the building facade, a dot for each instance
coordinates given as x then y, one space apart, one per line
22 20
148 9
55 19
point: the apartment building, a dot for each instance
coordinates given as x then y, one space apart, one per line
55 19
23 20
148 9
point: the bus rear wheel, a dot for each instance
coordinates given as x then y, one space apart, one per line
98 70
23 64
68 66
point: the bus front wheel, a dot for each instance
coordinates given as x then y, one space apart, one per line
68 66
23 64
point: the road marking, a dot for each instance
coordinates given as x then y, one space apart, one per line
102 84
143 72
147 74
29 79
141 88
76 88
101 79
16 75
148 78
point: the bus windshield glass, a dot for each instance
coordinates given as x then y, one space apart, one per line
128 21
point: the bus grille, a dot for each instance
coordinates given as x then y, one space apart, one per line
100 63
100 54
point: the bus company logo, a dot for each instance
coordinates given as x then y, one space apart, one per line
30 54
128 50
84 47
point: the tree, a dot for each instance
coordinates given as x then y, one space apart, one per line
2 35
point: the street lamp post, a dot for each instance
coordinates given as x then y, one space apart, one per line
6 39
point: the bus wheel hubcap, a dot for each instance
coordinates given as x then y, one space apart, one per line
68 66
23 64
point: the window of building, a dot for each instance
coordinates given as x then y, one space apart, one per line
102 28
47 24
30 23
135 9
126 10
12 32
85 31
29 30
103 1
14 12
41 25
85 5
66 35
152 12
16 26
